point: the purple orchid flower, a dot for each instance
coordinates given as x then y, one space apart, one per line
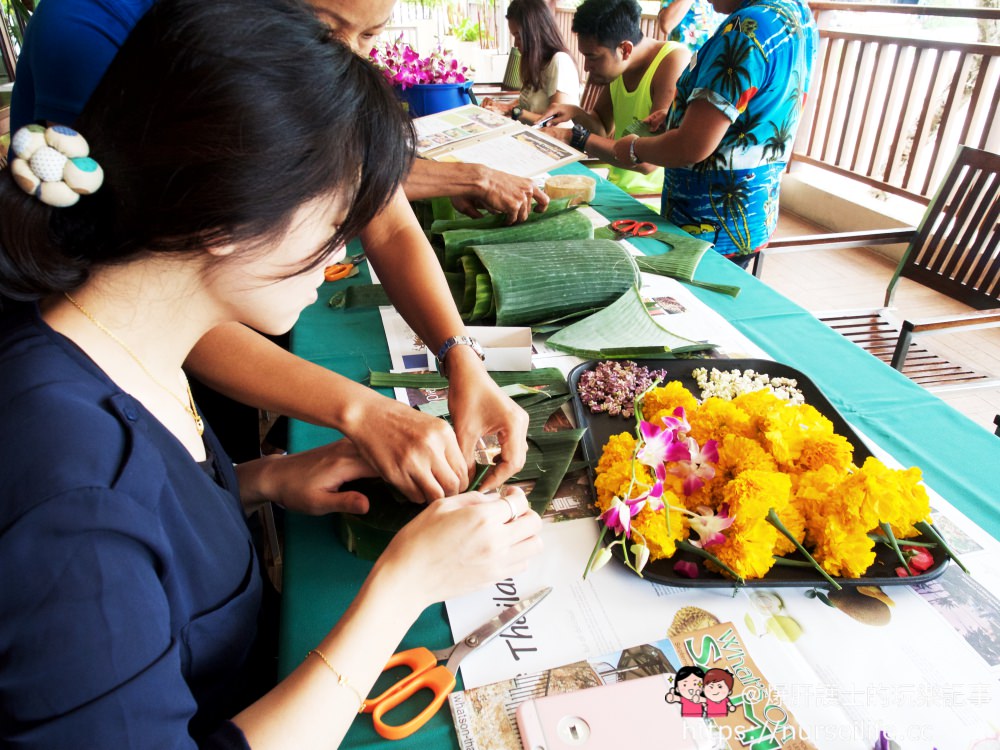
619 516
697 470
678 423
659 445
710 526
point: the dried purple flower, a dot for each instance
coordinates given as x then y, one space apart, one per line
612 386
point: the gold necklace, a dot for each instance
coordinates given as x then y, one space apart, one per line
189 407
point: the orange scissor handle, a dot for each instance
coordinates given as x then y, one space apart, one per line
426 675
337 271
633 227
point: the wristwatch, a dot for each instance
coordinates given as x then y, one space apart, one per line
515 113
450 344
631 151
578 139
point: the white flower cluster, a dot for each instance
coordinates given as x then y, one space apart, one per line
728 384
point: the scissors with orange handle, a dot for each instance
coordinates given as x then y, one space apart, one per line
427 674
632 228
343 270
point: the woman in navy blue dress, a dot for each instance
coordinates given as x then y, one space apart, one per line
241 147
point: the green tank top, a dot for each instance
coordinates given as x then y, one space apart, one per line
636 105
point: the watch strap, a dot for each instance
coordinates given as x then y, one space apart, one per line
578 139
451 343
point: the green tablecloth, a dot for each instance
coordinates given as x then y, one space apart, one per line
959 459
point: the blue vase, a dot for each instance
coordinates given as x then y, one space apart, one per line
428 98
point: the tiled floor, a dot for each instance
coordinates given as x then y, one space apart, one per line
856 279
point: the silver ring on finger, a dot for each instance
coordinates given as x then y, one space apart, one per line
510 507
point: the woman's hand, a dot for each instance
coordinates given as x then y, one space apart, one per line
479 407
307 482
493 105
460 544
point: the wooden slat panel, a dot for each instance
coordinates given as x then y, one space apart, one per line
956 81
915 146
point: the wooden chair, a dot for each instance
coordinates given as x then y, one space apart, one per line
507 89
955 250
591 93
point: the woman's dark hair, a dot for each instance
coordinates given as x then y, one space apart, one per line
610 22
684 672
214 123
540 38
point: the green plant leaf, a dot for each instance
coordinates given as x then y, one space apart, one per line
623 330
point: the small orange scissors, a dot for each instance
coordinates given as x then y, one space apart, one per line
630 227
343 270
426 674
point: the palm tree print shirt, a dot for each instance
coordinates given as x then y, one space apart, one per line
756 70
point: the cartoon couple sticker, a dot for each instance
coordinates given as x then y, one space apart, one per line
701 693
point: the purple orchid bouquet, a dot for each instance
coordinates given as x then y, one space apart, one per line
404 67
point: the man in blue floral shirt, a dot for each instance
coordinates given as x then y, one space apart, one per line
732 123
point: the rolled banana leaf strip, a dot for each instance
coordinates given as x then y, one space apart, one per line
549 378
492 221
520 393
538 282
623 330
568 225
368 295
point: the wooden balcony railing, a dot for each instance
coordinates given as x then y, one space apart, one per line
890 111
887 110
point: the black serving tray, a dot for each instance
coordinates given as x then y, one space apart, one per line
601 426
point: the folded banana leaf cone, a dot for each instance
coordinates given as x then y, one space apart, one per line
623 330
550 456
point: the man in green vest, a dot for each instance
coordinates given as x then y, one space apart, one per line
640 73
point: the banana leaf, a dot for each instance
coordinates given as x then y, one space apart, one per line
680 263
550 378
520 393
623 330
549 457
360 296
539 413
538 282
567 225
492 221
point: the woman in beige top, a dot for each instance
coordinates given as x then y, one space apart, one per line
548 73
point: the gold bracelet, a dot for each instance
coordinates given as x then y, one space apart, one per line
341 680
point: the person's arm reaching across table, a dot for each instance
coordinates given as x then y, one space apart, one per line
473 186
478 406
699 134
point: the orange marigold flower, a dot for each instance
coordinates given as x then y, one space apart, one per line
750 541
666 398
652 525
717 418
826 450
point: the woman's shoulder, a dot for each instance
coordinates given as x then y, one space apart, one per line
65 424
